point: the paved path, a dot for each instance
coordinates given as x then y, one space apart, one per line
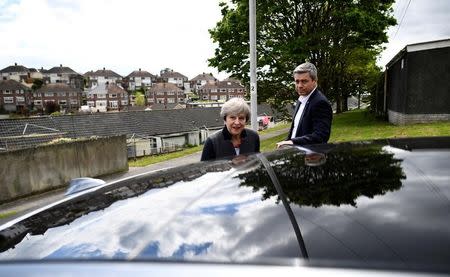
25 205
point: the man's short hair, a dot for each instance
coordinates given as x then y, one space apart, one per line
307 68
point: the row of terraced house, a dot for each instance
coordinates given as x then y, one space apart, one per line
106 90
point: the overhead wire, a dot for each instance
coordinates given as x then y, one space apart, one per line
401 20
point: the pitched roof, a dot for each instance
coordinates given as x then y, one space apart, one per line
61 69
209 86
12 85
204 76
114 88
106 88
144 123
103 72
163 87
58 87
229 84
14 68
172 74
168 106
140 73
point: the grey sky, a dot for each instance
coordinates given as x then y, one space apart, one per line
424 20
127 35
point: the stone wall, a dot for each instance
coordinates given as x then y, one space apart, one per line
33 170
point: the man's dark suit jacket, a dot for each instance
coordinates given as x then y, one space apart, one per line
219 145
315 123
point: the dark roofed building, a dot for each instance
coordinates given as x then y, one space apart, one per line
221 91
65 75
170 76
165 93
61 70
166 127
417 84
15 72
14 69
107 96
14 96
202 79
140 79
102 76
65 96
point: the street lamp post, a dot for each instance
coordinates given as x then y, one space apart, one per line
253 87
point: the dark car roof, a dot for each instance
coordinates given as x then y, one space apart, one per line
364 203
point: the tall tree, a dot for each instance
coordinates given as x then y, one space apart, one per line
140 99
339 36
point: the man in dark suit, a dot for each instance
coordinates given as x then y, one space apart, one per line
311 122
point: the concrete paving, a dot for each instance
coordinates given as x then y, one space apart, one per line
22 206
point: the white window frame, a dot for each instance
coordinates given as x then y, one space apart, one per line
8 100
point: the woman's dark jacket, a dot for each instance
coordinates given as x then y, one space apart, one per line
219 145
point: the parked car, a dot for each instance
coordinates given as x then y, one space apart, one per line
357 208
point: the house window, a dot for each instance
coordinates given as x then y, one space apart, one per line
170 93
150 100
101 96
205 97
20 99
113 104
7 92
213 97
113 95
48 94
8 100
160 93
73 102
160 100
38 102
62 102
171 100
124 102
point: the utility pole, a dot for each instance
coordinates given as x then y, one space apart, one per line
253 90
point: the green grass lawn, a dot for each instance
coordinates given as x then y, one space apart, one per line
7 214
348 126
362 125
143 161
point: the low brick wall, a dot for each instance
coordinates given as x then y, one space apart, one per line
29 171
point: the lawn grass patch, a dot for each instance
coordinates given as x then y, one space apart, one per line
7 214
144 161
362 125
349 126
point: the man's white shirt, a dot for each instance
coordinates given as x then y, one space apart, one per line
298 115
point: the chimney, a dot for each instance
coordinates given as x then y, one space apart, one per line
103 68
139 69
60 65
15 64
